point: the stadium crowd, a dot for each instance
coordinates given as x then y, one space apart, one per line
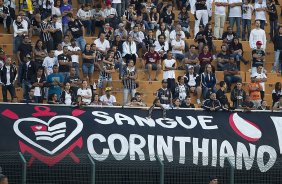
140 35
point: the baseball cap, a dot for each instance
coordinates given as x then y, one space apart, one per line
190 66
120 25
258 43
164 81
28 56
108 89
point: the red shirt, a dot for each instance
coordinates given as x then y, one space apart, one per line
151 57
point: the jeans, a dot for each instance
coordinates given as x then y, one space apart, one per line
119 66
126 93
178 56
26 85
38 99
219 21
65 75
80 42
246 24
229 79
153 25
273 28
11 90
206 90
262 24
277 60
124 5
87 68
117 6
17 42
232 20
201 14
88 25
76 66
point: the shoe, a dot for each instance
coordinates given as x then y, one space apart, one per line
198 101
246 62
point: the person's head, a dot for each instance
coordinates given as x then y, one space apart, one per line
131 63
73 42
201 27
154 9
57 3
84 84
229 29
1 2
39 44
157 102
169 7
93 47
213 180
180 79
191 69
152 48
121 26
70 17
37 17
239 85
108 91
277 86
114 48
117 38
87 47
188 100
246 1
8 61
138 96
67 86
86 7
59 46
258 44
222 84
102 36
259 69
176 102
27 58
107 25
72 71
31 92
19 18
39 71
65 2
65 49
263 103
150 33
231 59
133 99
136 28
169 54
253 78
208 68
55 69
206 49
209 26
161 38
109 5
163 26
257 24
213 96
236 40
54 97
280 30
178 28
3 178
96 98
66 38
193 48
184 9
178 36
129 38
54 18
130 8
223 48
26 39
164 83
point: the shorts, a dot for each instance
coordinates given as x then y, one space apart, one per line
103 78
154 66
87 68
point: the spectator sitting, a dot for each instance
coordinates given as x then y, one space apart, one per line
129 50
108 31
208 36
162 46
74 81
53 99
238 95
228 36
102 44
276 93
278 104
199 38
231 73
193 81
168 17
205 58
254 91
20 27
68 96
258 57
108 99
221 96
66 41
84 94
261 78
96 101
212 104
164 95
187 103
121 31
184 21
84 14
149 39
191 59
154 18
237 50
263 106
176 103
208 80
248 105
138 37
152 61
178 47
178 30
139 100
163 31
181 90
222 58
132 103
88 57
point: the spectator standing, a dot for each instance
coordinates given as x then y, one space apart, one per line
28 70
161 46
49 62
117 5
106 70
65 63
40 53
84 94
56 10
66 8
154 19
84 15
273 18
74 52
57 33
20 27
5 16
221 96
261 78
276 93
108 99
164 95
219 17
168 17
193 81
8 76
277 50
77 31
257 34
67 96
55 81
235 14
46 30
169 65
247 9
129 81
238 95
254 91
208 81
38 81
212 104
231 73
88 57
74 81
200 11
258 57
152 61
191 59
184 21
260 11
149 39
187 103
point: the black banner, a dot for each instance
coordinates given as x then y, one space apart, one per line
50 133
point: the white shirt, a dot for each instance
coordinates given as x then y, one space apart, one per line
74 58
129 48
160 47
261 76
110 11
172 35
166 33
24 29
67 98
235 11
51 4
56 11
257 35
48 64
192 81
177 43
247 11
260 15
116 1
84 14
171 73
83 92
109 101
37 90
182 92
220 10
8 75
103 46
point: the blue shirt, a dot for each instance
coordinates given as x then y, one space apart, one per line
65 8
52 78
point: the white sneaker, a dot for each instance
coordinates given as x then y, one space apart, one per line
198 101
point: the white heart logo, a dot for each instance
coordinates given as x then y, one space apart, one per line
74 133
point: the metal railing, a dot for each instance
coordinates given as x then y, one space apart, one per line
111 171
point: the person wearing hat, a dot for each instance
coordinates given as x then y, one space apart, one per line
255 89
164 95
152 61
213 180
121 31
108 99
212 104
258 56
257 34
231 73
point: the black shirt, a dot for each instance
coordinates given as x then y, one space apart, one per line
164 95
24 49
167 18
76 28
201 5
64 58
72 79
249 104
220 95
272 16
257 62
200 37
184 105
88 53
